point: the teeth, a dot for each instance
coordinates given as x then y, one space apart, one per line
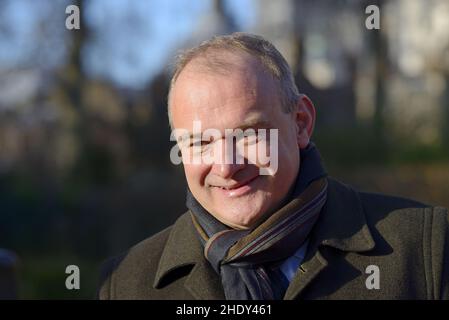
227 188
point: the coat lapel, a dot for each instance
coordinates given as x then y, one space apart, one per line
342 225
183 249
308 271
203 283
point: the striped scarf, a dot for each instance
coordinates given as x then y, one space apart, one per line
247 260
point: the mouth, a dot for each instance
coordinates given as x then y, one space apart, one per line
240 188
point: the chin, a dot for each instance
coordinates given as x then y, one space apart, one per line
243 217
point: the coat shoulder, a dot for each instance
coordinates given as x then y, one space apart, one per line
389 202
393 214
419 232
396 213
411 243
382 208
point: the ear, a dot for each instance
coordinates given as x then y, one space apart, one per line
305 120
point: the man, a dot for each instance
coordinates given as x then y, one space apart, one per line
257 231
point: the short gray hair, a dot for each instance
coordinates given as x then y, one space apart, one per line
267 54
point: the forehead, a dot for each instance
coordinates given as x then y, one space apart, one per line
223 99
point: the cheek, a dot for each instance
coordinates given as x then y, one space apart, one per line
288 155
288 142
196 174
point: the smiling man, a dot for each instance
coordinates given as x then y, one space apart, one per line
256 231
240 94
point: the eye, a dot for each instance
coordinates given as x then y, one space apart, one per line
201 143
251 139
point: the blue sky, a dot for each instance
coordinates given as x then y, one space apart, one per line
132 40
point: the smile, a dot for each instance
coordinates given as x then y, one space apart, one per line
239 189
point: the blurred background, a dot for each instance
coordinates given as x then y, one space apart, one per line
85 171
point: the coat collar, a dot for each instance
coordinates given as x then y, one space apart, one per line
341 225
184 249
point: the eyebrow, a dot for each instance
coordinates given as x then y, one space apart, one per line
256 122
190 137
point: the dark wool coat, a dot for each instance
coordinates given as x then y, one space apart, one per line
406 240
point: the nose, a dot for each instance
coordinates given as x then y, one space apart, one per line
226 163
226 171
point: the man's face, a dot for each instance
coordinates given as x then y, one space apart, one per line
246 97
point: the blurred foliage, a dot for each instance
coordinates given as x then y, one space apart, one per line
84 138
41 277
340 149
